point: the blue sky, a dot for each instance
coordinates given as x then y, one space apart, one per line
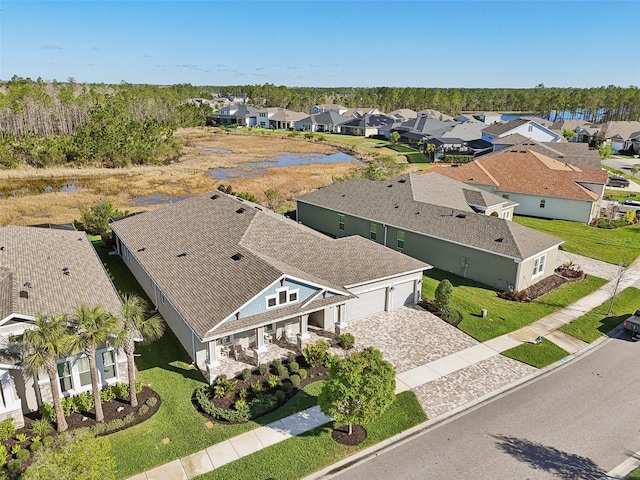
324 43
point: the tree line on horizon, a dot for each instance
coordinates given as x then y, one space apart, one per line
54 123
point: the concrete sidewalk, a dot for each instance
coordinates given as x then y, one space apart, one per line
431 376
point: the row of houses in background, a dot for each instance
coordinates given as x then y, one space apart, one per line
469 134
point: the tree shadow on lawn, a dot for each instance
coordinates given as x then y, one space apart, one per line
167 354
549 459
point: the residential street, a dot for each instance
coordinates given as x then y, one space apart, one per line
580 421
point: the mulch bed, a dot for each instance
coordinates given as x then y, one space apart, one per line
429 306
341 434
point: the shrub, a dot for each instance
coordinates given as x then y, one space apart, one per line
282 371
443 297
321 138
224 387
83 402
256 387
262 404
316 353
515 295
3 455
308 135
7 429
121 390
202 397
68 406
240 404
295 380
22 455
609 223
14 466
21 437
246 374
294 367
276 363
138 384
280 395
143 410
244 394
273 381
47 441
48 412
303 373
128 418
346 341
115 424
151 401
36 446
100 428
263 368
287 387
291 357
107 394
16 448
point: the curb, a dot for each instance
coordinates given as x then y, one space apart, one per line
408 435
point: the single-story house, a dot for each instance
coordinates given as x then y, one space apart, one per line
357 112
329 122
229 274
234 114
278 118
44 272
542 186
453 226
574 153
366 125
619 133
329 107
525 127
403 114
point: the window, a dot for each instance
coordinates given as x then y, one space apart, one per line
542 203
505 195
83 371
162 299
400 238
271 302
109 364
505 215
373 230
530 128
269 328
538 266
64 374
293 296
340 221
282 296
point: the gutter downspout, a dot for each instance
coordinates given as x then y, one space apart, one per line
385 235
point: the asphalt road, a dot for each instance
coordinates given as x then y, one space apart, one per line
623 164
578 422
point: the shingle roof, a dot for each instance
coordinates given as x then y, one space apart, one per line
396 203
622 128
466 131
37 259
500 128
574 153
513 139
427 125
367 121
7 293
207 286
284 115
521 169
403 113
325 118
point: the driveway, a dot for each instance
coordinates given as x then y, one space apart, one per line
590 266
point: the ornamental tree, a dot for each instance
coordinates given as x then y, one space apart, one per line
443 296
361 386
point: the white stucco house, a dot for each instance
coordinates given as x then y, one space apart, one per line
527 128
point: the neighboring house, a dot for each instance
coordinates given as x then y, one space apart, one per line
452 226
403 114
632 145
417 131
576 154
329 107
584 130
367 125
360 112
278 118
619 133
329 122
241 115
44 272
435 114
487 118
500 143
527 128
227 273
466 131
542 187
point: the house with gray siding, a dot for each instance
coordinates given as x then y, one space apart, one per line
45 272
453 226
230 275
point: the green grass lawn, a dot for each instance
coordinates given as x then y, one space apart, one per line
621 196
307 453
504 316
591 326
613 246
635 475
621 173
539 355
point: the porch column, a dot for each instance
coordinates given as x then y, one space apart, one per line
303 336
388 305
213 363
417 290
7 391
341 325
260 345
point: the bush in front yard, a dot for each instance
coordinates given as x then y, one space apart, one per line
294 367
346 341
316 353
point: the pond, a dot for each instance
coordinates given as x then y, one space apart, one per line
253 169
217 150
36 186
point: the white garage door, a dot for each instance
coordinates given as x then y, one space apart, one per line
366 304
403 294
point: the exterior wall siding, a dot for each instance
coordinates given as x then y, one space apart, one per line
526 269
554 207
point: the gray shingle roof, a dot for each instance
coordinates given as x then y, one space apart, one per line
576 154
207 286
369 121
325 118
500 128
37 257
398 206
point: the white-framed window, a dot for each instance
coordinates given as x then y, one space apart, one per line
340 221
109 364
373 229
269 328
505 215
538 266
84 374
530 128
542 203
64 376
400 239
283 296
226 340
505 195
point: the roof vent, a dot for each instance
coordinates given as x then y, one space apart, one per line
396 206
142 248
215 196
183 254
240 210
2 248
258 208
499 240
237 256
66 271
461 215
24 294
417 213
27 284
343 195
390 185
404 180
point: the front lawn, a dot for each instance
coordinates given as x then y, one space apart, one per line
504 316
591 326
537 355
307 453
620 196
613 246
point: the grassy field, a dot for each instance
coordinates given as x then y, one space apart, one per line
537 355
591 326
504 316
302 455
613 246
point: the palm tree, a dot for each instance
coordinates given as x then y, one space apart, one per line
135 325
93 327
42 347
